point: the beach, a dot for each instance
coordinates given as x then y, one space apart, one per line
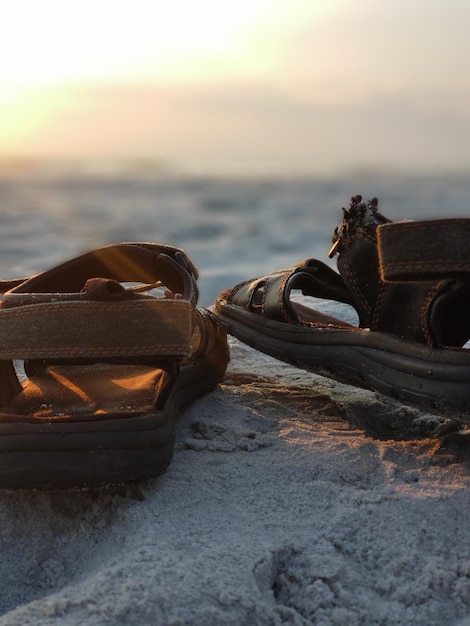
291 498
281 506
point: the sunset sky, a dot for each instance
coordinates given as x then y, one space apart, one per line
244 86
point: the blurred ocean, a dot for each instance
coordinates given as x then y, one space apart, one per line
233 229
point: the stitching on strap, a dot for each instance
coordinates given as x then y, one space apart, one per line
97 329
431 249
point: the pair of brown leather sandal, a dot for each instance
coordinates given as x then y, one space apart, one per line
113 345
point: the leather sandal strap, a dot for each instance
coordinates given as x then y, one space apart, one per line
426 250
75 329
79 309
123 262
270 295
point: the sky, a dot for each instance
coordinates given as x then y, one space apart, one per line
261 86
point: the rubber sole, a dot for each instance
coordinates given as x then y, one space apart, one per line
97 453
425 377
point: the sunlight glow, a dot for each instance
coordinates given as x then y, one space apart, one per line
22 112
50 47
236 84
54 41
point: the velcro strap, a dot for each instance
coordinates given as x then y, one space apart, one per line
426 250
89 329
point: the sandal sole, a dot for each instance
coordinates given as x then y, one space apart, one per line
436 379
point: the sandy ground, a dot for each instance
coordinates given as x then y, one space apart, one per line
291 499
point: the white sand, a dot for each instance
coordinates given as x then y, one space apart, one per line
275 510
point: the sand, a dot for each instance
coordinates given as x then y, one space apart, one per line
291 499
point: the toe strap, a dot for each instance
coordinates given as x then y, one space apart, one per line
270 296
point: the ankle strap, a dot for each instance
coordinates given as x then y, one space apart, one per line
426 250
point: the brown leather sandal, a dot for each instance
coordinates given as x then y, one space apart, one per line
409 283
108 366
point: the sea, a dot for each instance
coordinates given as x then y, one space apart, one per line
233 228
